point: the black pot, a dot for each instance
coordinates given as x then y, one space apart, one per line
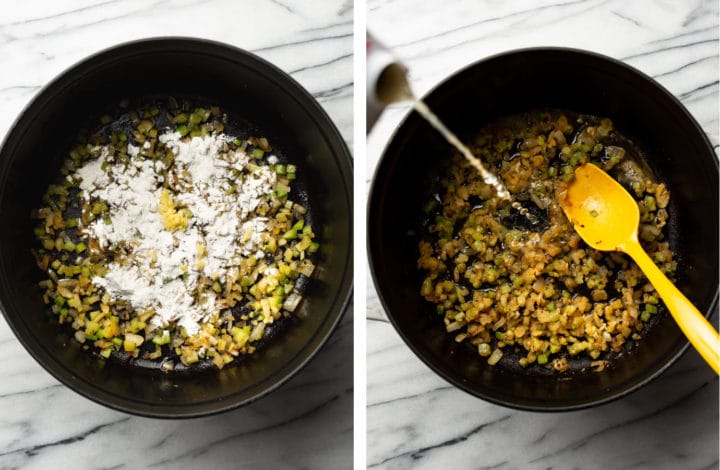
249 89
677 149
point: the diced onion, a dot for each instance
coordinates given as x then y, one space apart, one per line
307 269
257 332
484 349
292 301
454 326
495 357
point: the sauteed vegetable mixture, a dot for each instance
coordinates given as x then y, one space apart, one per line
539 290
169 240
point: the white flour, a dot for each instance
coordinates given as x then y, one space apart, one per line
162 270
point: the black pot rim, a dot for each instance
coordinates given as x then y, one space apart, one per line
409 342
343 296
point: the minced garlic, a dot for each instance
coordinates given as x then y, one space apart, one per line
172 219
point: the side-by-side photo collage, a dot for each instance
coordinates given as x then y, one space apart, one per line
360 234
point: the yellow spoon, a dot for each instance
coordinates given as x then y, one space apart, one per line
607 218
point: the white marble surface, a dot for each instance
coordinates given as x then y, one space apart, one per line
417 420
307 423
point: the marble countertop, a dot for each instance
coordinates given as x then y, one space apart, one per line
307 423
417 420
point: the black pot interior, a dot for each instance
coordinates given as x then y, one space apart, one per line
250 90
676 149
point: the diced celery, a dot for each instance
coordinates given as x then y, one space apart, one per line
162 339
240 335
650 203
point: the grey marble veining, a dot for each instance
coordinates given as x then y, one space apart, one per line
417 420
312 40
307 423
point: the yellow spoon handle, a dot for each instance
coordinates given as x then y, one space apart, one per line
698 330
